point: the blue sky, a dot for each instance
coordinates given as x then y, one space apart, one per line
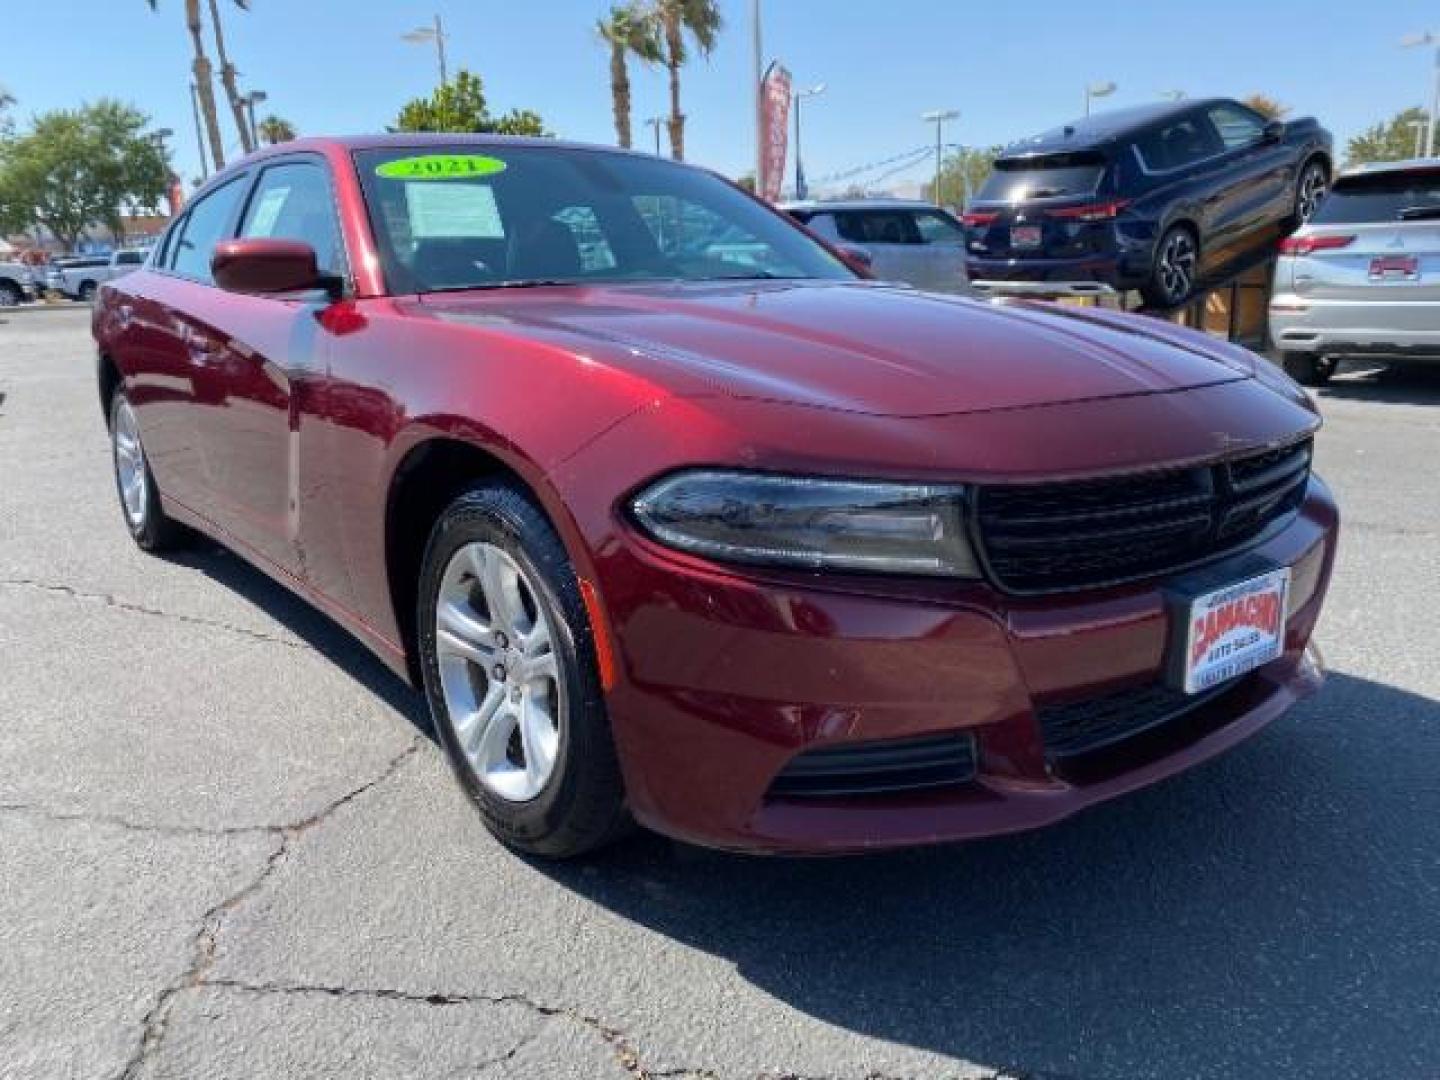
339 66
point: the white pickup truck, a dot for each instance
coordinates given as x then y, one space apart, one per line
17 284
79 278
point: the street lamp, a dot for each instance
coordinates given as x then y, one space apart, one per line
938 118
799 96
1429 37
255 97
199 131
424 35
1173 95
1097 90
656 122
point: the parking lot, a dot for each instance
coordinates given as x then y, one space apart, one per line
231 849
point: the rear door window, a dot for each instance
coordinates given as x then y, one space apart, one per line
877 226
1397 196
129 258
1046 176
1176 145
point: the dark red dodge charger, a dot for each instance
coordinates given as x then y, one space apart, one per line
677 519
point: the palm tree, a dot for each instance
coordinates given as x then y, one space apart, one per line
227 74
200 66
275 130
701 18
629 28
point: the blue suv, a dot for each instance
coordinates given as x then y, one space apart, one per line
1137 198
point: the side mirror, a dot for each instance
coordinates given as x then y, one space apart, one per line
856 257
264 266
1274 131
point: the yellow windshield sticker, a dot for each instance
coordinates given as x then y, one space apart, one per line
440 167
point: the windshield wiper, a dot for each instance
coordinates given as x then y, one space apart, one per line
518 283
1419 213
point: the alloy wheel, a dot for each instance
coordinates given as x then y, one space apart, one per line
130 468
1176 268
499 673
1312 190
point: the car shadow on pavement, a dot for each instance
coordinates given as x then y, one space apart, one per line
307 623
1273 913
1400 383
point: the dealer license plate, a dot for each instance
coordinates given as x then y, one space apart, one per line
1235 629
1025 236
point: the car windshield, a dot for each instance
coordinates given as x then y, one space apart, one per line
1378 197
1051 176
492 216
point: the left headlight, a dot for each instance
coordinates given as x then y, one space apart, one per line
811 523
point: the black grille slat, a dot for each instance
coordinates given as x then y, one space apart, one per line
1056 537
878 768
1083 727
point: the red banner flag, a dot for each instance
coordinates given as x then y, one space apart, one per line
774 131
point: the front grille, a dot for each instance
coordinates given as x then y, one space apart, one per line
1082 727
1055 537
878 768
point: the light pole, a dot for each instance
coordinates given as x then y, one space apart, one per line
199 131
1173 95
938 118
1096 90
799 96
656 122
424 35
1429 37
757 85
1419 127
255 97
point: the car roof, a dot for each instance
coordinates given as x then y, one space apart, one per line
1104 128
1372 168
820 205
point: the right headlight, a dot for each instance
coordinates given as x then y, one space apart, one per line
811 523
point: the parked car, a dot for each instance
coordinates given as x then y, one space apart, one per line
17 284
1140 198
748 549
80 278
914 242
1363 277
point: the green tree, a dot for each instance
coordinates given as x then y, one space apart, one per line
275 130
700 19
962 173
1266 106
1390 140
79 168
629 30
459 106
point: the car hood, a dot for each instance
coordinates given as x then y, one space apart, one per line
853 346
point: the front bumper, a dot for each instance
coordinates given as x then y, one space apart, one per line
1345 327
729 678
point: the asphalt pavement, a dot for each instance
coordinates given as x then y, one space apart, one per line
230 848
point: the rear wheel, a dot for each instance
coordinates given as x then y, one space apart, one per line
1308 369
10 294
1310 191
1177 259
511 679
150 528
87 291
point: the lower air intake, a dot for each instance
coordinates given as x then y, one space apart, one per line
878 768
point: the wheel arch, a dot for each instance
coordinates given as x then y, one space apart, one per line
108 382
430 474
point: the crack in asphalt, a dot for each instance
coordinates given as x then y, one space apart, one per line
204 943
110 600
118 822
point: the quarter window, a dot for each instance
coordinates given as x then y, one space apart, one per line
937 228
206 224
293 202
1237 127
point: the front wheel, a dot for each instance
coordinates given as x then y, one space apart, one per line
10 294
1177 259
1308 369
511 679
1310 191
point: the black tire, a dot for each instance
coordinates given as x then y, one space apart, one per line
1174 270
1307 199
581 805
1308 369
152 530
10 294
88 289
